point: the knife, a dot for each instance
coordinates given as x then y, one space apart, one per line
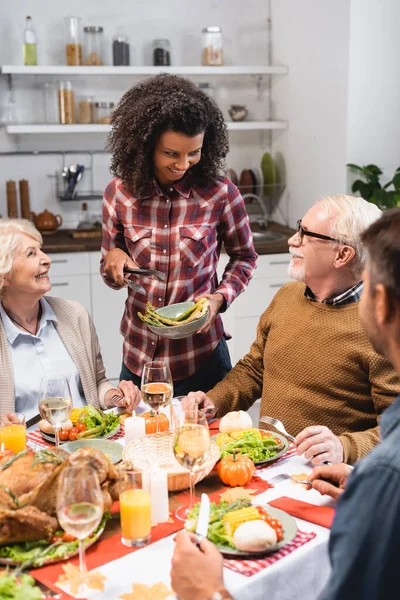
202 521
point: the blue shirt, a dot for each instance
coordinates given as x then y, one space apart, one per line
364 544
36 356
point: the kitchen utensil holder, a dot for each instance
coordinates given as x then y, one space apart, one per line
61 183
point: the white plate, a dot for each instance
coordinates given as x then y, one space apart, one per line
52 439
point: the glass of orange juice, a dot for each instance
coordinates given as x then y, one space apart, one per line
13 433
135 510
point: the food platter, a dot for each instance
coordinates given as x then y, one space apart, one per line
283 448
47 561
52 439
289 532
111 449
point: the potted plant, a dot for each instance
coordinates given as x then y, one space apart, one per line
372 190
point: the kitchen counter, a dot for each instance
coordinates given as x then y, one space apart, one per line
62 241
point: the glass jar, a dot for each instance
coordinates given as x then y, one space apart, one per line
86 110
66 103
161 53
73 41
120 49
93 46
207 88
51 110
213 53
103 112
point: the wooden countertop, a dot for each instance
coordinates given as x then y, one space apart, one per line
62 241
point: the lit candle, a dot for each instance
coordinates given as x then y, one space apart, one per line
155 481
135 428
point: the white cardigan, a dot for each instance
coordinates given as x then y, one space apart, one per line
76 329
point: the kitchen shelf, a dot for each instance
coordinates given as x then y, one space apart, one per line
143 70
39 129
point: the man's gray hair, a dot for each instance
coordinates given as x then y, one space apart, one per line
351 216
11 231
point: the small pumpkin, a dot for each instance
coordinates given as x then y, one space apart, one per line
150 422
235 469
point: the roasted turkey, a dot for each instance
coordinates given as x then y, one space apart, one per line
28 490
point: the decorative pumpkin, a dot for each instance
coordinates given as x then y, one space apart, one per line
235 469
150 422
237 420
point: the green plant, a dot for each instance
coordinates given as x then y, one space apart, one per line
372 190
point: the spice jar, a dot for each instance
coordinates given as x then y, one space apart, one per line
73 43
120 49
103 112
93 46
66 103
161 53
213 54
86 110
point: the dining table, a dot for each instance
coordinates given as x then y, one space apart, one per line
298 570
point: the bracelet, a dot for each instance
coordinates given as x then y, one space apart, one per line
223 595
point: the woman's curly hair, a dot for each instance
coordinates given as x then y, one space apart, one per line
162 103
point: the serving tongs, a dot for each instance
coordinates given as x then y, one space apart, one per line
147 272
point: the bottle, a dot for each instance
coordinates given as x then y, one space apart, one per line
30 55
73 42
120 49
83 218
161 53
66 103
213 53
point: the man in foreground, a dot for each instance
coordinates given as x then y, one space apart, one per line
312 363
365 538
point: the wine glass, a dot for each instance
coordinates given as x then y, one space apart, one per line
55 402
79 506
191 446
157 387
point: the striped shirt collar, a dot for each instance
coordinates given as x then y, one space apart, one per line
351 295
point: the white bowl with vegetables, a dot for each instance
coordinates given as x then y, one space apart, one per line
176 321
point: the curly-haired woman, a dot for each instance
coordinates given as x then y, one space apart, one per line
169 208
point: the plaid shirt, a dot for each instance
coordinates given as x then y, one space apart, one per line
351 295
180 234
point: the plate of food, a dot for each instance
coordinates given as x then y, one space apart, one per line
237 435
30 533
241 530
176 321
84 423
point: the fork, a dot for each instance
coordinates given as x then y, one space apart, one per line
278 425
284 476
118 400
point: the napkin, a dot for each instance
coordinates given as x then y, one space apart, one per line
320 515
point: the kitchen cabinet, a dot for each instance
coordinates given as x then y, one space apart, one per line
69 277
241 319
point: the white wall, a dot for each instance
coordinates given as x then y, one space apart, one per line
312 37
374 85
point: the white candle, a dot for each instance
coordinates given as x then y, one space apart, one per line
155 481
135 428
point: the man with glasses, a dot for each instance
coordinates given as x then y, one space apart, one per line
311 362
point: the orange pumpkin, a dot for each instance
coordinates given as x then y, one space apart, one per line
150 421
236 469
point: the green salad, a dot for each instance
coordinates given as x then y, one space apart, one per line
18 588
98 423
216 531
257 448
38 552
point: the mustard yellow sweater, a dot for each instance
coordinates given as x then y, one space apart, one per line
312 364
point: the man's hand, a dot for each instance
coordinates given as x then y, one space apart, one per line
204 403
196 574
130 394
319 445
114 262
322 477
216 300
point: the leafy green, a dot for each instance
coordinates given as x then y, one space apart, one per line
98 423
216 532
21 588
258 449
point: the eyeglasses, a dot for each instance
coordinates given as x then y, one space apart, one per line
302 232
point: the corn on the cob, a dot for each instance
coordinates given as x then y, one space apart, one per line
234 518
75 414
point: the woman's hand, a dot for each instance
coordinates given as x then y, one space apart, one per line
114 263
9 419
330 480
196 574
130 396
215 302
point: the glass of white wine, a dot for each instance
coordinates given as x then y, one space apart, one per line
191 446
157 387
79 506
55 402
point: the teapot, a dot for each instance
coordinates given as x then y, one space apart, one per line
46 222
